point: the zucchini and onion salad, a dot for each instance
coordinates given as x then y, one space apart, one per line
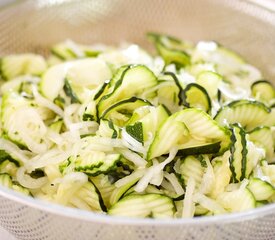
186 132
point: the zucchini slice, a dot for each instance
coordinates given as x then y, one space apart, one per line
170 49
28 129
226 61
63 52
105 187
210 81
107 129
200 148
4 156
170 91
89 72
178 84
70 92
200 124
119 192
150 118
9 167
222 172
244 154
171 133
262 137
130 81
269 170
22 64
101 89
94 163
250 114
125 107
82 75
147 205
261 190
195 96
70 50
238 158
6 181
263 90
188 128
136 131
88 198
238 200
192 166
52 81
90 113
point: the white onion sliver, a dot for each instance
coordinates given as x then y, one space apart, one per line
133 157
208 203
34 146
13 83
174 182
13 150
79 203
30 128
109 141
244 183
132 143
81 125
54 137
47 103
167 185
154 170
52 157
157 178
208 178
134 175
68 112
188 204
29 182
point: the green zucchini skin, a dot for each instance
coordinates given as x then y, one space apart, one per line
126 83
181 95
264 90
249 114
208 148
261 190
185 125
128 105
148 205
173 53
238 151
200 97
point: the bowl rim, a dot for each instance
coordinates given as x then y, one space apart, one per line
73 213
